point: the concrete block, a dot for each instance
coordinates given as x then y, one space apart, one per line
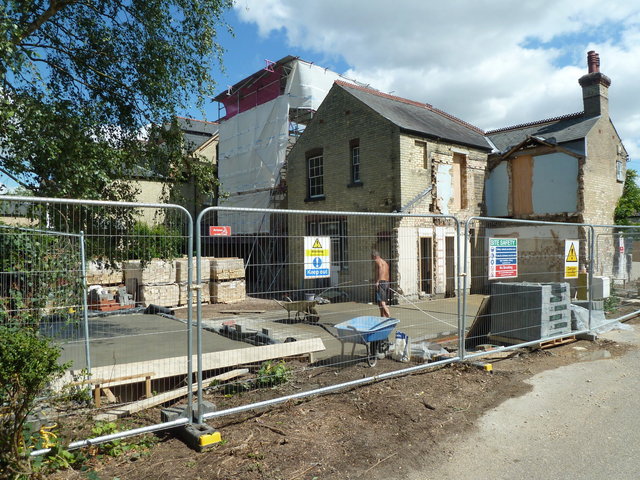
184 293
152 272
228 292
182 268
227 268
99 274
162 295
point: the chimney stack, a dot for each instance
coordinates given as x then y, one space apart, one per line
595 88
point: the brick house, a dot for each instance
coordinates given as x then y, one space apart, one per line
566 169
367 151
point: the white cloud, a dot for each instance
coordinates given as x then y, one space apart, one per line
492 63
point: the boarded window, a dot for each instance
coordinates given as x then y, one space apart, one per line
459 181
521 185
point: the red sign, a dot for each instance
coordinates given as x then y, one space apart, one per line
506 271
219 231
621 247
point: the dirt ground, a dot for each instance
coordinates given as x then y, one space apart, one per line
375 432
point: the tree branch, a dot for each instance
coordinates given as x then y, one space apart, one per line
54 7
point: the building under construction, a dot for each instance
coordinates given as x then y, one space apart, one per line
261 117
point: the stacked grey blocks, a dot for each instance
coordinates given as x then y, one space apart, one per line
530 311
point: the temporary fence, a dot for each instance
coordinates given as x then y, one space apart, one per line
526 278
616 267
94 277
291 302
311 276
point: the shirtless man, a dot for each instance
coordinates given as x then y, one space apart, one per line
382 283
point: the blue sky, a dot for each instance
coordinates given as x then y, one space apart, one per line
493 63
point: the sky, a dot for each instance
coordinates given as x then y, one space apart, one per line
492 63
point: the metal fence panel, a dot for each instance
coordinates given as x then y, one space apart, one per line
109 284
616 277
525 275
306 286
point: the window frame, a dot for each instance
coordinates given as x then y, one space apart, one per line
355 167
315 179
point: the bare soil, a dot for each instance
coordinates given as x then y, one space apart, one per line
377 431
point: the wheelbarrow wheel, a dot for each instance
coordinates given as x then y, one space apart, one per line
372 355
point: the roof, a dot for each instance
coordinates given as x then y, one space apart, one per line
254 77
197 132
559 129
418 117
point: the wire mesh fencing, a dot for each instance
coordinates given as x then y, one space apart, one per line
104 283
524 282
305 301
616 272
309 292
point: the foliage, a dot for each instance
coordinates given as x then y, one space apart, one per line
28 363
82 80
629 203
34 273
157 241
122 446
273 373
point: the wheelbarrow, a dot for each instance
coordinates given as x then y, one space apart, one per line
373 332
305 310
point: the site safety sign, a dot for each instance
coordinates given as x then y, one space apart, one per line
503 258
317 257
571 250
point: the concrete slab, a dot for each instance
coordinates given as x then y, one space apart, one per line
120 339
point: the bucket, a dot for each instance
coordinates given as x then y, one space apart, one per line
310 296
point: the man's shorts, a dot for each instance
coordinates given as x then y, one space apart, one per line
382 292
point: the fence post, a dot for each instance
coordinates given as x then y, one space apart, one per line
591 238
85 307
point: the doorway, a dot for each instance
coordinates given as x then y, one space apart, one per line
450 267
426 265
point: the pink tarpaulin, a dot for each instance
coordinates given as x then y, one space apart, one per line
263 90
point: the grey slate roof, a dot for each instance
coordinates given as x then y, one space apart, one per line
196 132
563 129
419 118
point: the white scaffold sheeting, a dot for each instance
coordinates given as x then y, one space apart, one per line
253 144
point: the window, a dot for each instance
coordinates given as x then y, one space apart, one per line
336 229
459 181
421 150
355 161
620 173
315 175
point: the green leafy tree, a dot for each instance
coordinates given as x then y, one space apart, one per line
28 362
629 203
80 80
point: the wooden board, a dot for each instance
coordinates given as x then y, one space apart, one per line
161 398
480 326
174 366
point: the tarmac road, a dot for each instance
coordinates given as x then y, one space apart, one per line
581 421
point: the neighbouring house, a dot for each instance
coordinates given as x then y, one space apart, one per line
566 169
201 143
367 151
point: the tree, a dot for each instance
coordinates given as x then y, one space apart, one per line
80 80
629 203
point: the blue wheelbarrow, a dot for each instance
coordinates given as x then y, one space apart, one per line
373 332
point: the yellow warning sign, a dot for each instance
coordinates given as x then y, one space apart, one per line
571 263
316 244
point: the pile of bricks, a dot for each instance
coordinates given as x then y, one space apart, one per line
164 283
227 280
